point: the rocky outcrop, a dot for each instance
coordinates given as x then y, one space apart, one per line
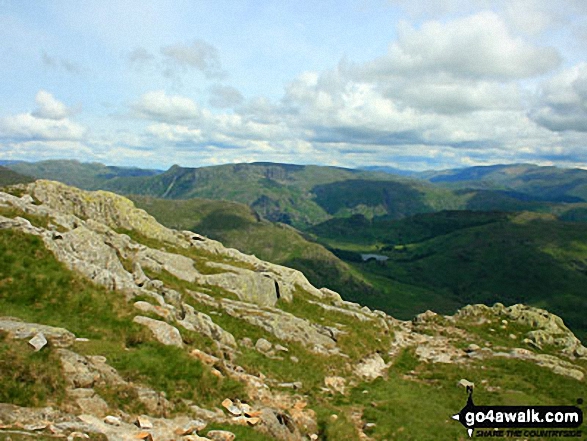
371 367
283 325
107 208
16 328
548 329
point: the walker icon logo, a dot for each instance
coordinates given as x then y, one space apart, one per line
516 420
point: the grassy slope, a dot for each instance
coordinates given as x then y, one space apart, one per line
37 288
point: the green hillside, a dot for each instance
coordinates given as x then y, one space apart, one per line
238 226
470 257
293 194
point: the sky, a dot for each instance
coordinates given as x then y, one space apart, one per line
411 84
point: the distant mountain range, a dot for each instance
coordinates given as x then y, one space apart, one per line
306 195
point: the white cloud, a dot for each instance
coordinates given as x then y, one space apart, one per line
453 97
199 55
27 126
159 106
225 96
478 46
48 122
175 133
140 56
49 108
563 101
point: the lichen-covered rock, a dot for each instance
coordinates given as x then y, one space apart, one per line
78 370
84 250
285 326
549 329
249 286
108 208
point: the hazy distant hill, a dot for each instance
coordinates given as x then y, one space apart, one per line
390 170
89 176
542 183
307 195
9 177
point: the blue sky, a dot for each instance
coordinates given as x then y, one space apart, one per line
405 83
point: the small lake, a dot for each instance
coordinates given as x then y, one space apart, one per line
377 257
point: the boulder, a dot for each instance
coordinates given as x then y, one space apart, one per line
220 435
263 345
84 251
335 384
163 332
38 342
371 367
202 323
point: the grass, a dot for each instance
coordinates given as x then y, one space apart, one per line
35 220
173 371
420 408
29 378
358 338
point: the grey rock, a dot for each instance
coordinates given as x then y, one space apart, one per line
279 425
112 420
202 323
101 206
162 331
465 383
371 367
16 328
220 435
263 345
78 370
38 342
84 250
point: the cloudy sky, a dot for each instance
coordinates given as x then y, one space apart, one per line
413 84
